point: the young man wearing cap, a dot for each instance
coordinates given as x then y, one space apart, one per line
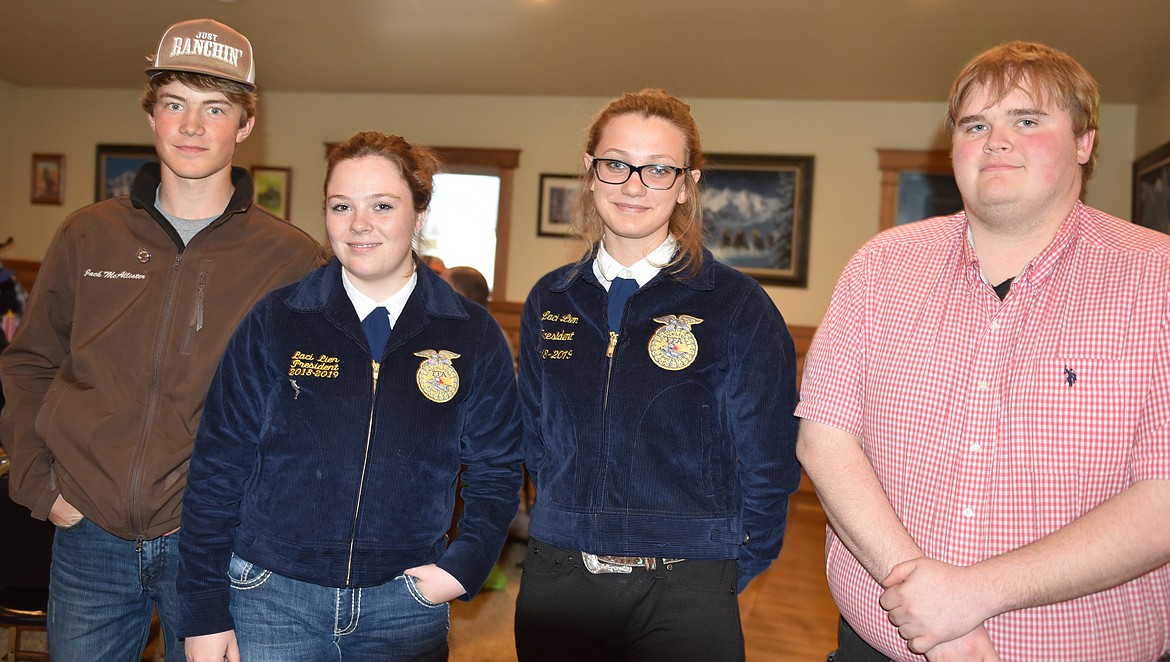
133 305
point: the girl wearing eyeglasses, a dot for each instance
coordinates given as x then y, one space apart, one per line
657 389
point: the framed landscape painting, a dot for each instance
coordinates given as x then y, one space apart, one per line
1151 190
756 210
558 195
48 178
117 166
273 189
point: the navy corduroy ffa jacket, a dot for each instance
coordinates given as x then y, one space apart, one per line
634 455
305 467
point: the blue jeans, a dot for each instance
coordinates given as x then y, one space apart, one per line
102 590
279 619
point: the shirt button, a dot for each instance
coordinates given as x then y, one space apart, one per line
968 512
982 385
994 325
975 447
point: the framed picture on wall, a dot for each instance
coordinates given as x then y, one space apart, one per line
916 185
117 165
756 210
273 189
48 179
1151 190
558 196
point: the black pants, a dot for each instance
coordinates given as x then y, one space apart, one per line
852 648
684 612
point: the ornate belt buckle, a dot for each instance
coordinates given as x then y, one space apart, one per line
596 566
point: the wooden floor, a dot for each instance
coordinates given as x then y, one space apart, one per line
788 615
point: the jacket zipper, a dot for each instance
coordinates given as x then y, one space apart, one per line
357 508
613 339
152 403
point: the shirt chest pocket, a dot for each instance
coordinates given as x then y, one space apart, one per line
1076 416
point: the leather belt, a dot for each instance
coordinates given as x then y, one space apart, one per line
599 565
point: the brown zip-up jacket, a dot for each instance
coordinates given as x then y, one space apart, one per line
123 331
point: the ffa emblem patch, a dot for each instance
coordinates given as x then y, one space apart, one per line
436 377
673 347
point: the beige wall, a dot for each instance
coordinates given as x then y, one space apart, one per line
293 128
1153 117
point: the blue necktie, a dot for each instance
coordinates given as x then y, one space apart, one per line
619 291
377 328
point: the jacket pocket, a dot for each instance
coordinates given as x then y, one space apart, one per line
47 416
675 459
709 465
195 316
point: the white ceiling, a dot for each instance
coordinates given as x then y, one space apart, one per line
883 50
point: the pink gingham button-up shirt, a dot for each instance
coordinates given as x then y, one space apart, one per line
993 423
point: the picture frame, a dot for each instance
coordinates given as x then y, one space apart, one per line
117 166
558 197
1151 190
48 179
916 184
756 209
273 189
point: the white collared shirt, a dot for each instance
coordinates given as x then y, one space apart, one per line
394 304
606 268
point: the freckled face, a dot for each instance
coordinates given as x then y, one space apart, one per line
370 220
1016 159
636 216
196 131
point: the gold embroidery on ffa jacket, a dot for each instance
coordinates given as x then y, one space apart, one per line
436 377
673 347
567 318
305 364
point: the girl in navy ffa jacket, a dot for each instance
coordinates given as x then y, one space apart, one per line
657 388
324 472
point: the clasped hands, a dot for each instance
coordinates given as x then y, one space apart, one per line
939 609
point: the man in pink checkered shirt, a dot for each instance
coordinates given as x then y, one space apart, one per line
986 405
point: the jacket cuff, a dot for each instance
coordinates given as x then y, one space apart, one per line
44 503
204 613
466 565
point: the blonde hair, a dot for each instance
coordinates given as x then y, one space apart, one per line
686 221
1050 75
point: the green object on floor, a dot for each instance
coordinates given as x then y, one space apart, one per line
496 580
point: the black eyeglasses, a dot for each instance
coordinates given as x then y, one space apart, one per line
655 176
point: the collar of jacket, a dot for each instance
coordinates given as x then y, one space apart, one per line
322 291
149 177
146 182
583 269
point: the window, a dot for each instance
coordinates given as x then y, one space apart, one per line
461 226
472 170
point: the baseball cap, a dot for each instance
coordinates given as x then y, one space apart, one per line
204 46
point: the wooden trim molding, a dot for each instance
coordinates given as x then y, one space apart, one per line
892 162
